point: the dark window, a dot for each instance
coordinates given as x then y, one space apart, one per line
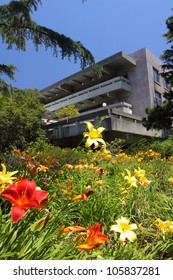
158 99
156 75
165 84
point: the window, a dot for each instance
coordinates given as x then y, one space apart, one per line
158 98
165 84
156 75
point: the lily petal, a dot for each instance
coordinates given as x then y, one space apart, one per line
10 194
26 187
89 125
17 213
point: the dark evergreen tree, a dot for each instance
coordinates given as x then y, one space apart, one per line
161 117
17 26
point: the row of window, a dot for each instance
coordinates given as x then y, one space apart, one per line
156 78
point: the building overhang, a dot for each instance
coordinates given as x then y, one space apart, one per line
116 123
116 65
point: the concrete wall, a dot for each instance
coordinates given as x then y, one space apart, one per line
142 82
140 95
155 62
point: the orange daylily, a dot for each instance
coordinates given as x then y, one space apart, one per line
74 228
83 196
24 195
69 166
17 151
94 239
42 168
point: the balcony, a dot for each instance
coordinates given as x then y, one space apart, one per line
118 85
118 124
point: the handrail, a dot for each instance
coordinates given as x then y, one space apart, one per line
88 90
108 111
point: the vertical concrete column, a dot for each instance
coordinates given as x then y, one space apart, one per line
59 131
76 128
97 119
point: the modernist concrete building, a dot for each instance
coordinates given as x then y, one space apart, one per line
129 84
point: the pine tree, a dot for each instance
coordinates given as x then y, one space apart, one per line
161 117
17 27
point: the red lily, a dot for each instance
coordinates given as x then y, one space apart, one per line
24 195
94 239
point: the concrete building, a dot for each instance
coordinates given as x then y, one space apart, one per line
129 84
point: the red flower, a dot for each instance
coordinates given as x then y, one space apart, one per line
24 195
94 239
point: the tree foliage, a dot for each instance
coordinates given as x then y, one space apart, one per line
17 27
21 118
67 111
161 117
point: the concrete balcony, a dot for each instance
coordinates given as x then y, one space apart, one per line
118 85
118 124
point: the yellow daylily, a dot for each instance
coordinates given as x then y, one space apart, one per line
171 227
94 136
139 172
140 175
165 226
130 179
170 180
125 229
5 177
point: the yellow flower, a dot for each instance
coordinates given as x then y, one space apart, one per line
144 181
6 177
108 156
170 180
165 226
94 136
105 151
139 172
171 227
79 166
140 175
125 229
130 179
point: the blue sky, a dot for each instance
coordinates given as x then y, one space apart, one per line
103 26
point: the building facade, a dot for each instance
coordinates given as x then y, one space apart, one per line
128 84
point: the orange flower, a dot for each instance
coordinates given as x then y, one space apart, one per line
74 228
83 196
94 239
42 168
69 183
69 166
17 151
24 195
79 167
29 165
